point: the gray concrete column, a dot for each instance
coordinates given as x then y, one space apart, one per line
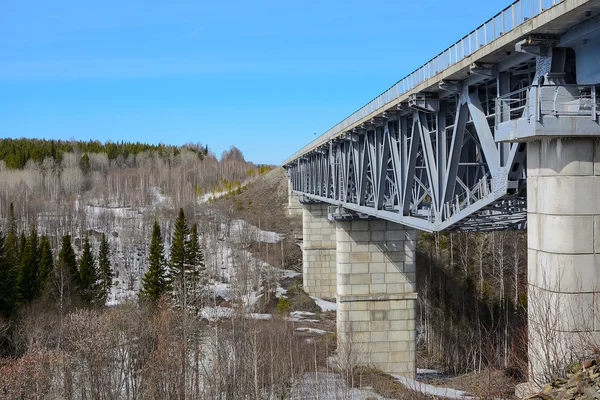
563 239
318 257
294 206
376 295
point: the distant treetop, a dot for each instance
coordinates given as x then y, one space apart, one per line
16 152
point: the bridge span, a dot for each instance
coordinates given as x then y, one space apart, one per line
498 131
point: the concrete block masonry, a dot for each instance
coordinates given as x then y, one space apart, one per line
369 266
563 253
294 206
319 255
376 279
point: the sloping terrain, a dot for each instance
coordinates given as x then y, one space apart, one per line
263 203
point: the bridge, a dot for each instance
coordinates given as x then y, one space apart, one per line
498 131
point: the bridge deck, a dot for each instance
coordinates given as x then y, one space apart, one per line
486 44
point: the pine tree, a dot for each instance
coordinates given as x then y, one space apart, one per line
28 274
67 258
155 282
179 251
89 285
106 274
46 264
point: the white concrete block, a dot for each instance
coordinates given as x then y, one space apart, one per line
378 236
360 289
395 235
532 193
572 156
377 225
533 231
377 278
566 234
566 272
379 336
360 225
570 195
597 157
379 288
360 268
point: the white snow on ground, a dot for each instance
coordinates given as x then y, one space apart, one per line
287 273
159 198
280 292
259 316
327 386
324 304
301 314
431 390
242 230
213 314
311 330
221 290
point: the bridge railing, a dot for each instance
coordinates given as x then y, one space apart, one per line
539 100
507 19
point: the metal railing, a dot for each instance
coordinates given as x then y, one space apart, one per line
506 20
537 101
511 105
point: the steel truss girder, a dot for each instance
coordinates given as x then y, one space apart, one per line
411 169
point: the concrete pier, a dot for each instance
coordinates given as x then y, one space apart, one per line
563 215
376 295
318 259
294 206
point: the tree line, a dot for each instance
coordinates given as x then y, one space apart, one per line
17 152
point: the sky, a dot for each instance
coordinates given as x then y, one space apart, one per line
265 76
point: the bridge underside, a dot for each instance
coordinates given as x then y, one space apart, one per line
509 141
432 165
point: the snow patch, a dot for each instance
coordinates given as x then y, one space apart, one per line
328 386
431 390
288 273
216 313
324 304
311 330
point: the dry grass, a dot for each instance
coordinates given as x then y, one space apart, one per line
263 203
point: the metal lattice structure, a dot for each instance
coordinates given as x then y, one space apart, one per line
426 153
427 166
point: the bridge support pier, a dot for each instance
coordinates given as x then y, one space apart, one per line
563 216
376 285
319 251
294 206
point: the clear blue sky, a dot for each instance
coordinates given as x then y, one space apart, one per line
261 75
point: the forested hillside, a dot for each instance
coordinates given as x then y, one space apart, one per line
112 189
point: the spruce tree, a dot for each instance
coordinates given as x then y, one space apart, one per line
46 264
155 282
195 259
28 274
106 274
89 285
12 262
7 303
67 258
179 251
22 244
